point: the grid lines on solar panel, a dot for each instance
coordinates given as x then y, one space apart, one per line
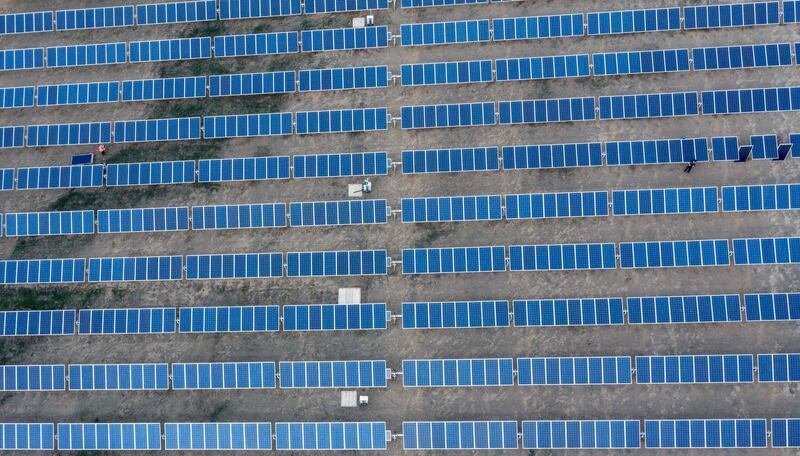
94 18
163 89
460 72
633 21
241 125
170 49
332 374
331 317
640 62
350 78
341 121
731 15
340 165
331 213
218 436
176 12
229 319
37 323
252 375
757 251
234 266
16 97
760 197
562 257
86 54
448 115
785 432
109 436
741 56
454 435
454 260
141 220
742 101
118 377
49 223
32 378
15 23
175 129
273 43
617 434
12 137
337 6
432 3
596 370
650 105
149 173
546 110
684 309
455 314
779 367
345 39
460 160
675 369
239 216
21 59
242 9
60 270
135 269
332 263
228 85
537 27
550 67
243 169
657 151
665 201
75 94
764 147
330 436
71 134
556 205
438 33
674 254
6 175
706 433
421 373
27 436
772 306
568 312
547 156
126 321
452 209
791 11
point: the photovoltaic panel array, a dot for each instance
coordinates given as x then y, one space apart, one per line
142 220
657 151
62 270
255 375
535 27
175 129
76 94
779 367
454 260
760 197
553 67
345 39
421 373
170 49
163 89
6 178
552 156
694 369
341 121
640 62
674 254
633 21
149 173
330 436
229 319
731 15
562 257
21 59
49 223
665 201
225 85
785 432
336 263
556 205
331 317
339 6
459 435
452 209
32 378
683 309
772 306
136 269
94 18
439 73
176 12
592 434
119 377
126 321
242 125
759 251
69 134
27 436
351 78
708 433
242 9
79 55
743 101
340 165
568 312
450 160
256 44
791 11
742 56
458 314
435 33
217 436
546 110
15 23
234 266
16 97
607 370
332 213
109 436
333 374
243 169
448 115
37 323
238 216
648 105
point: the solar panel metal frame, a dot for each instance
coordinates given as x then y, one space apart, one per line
564 312
669 305
521 251
341 435
657 428
208 316
121 436
326 317
609 369
234 266
574 434
113 373
772 306
150 218
466 159
476 371
495 314
485 259
37 436
580 155
30 377
21 323
631 252
368 374
694 369
218 436
556 205
636 21
672 200
99 273
445 209
100 322
49 223
429 440
226 212
211 373
78 19
788 248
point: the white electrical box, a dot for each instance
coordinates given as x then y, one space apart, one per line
349 399
349 295
370 20
359 22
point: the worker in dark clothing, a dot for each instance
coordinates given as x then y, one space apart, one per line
689 167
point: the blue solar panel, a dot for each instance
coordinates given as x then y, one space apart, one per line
785 431
674 254
760 197
648 105
330 317
448 115
225 85
455 435
12 137
535 27
603 434
21 59
772 306
764 146
149 173
229 319
109 436
757 251
66 270
725 148
562 257
640 62
243 169
450 160
128 269
744 56
241 125
242 9
49 177
419 373
779 367
340 165
16 97
49 223
633 21
556 205
683 309
176 12
366 77
27 436
119 377
462 314
81 93
454 260
14 23
706 433
435 33
452 209
255 375
337 6
127 321
328 213
430 3
345 39
546 110
32 378
175 129
330 436
172 49
37 323
547 156
665 201
341 121
163 89
333 374
142 220
336 263
86 54
606 370
6 178
694 369
791 11
750 100
657 151
554 67
217 436
94 18
568 312
234 266
69 134
237 216
731 15
255 44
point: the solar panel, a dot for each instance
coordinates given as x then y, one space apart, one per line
764 146
750 100
536 27
694 369
330 436
459 435
273 43
330 213
791 11
21 59
61 270
437 33
243 169
330 317
32 378
74 94
109 436
119 377
743 56
257 375
229 85
556 205
545 156
366 77
546 110
238 216
94 18
760 197
553 67
332 374
12 137
27 436
176 12
640 62
242 125
37 323
454 260
229 319
242 9
86 54
16 97
49 223
562 257
657 151
6 176
171 49
633 21
665 201
461 314
234 266
217 436
452 209
575 434
785 431
777 250
71 134
568 312
142 220
648 105
159 320
448 115
460 160
731 15
707 433
725 148
175 129
606 370
135 269
164 89
341 121
772 306
15 23
683 309
149 173
779 367
333 6
345 39
674 254
430 3
420 373
336 263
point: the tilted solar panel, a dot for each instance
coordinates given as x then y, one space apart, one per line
436 33
340 165
431 3
345 39
596 370
648 105
791 11
94 18
49 223
452 209
448 115
234 266
158 320
229 85
461 314
562 257
772 306
640 62
243 169
556 205
229 319
455 435
142 220
37 323
330 213
342 121
546 156
633 21
330 436
706 433
109 436
176 12
785 432
71 134
12 137
170 49
351 78
175 129
118 377
149 173
537 27
674 254
551 67
450 260
333 374
779 367
568 312
242 9
16 97
164 89
238 216
21 59
462 72
75 94
601 434
742 56
546 110
336 263
460 160
665 201
125 269
731 15
756 251
217 436
760 197
657 151
15 23
87 54
6 178
676 369
27 436
61 270
339 6
254 375
32 378
241 125
255 44
683 309
421 373
330 317
742 101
